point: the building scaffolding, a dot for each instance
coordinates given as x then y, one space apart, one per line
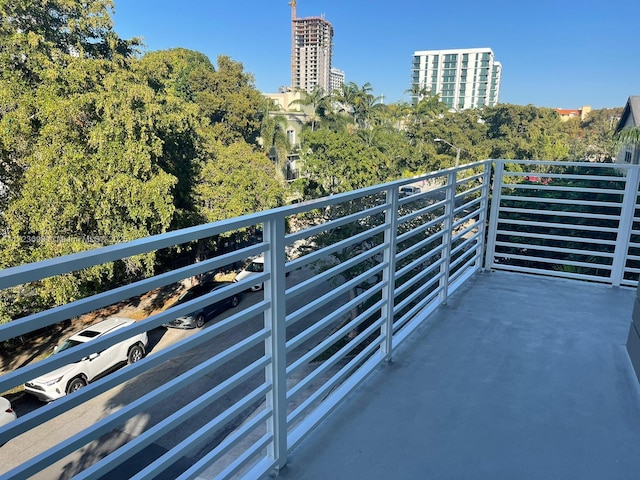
311 51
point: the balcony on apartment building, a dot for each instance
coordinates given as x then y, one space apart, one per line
479 328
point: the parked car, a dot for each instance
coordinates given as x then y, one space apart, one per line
76 375
7 414
409 190
198 318
253 268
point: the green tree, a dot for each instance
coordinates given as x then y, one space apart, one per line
237 180
231 103
339 161
595 139
37 38
359 102
428 108
525 132
181 72
17 130
629 136
461 129
395 151
94 169
226 97
228 109
273 133
175 77
396 115
92 179
35 34
346 96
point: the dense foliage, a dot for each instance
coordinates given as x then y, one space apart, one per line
99 144
400 139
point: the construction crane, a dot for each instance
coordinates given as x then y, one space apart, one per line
292 4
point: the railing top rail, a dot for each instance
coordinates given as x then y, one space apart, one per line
22 274
625 166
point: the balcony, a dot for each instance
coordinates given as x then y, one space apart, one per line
518 376
474 330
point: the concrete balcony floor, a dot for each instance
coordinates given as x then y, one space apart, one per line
518 377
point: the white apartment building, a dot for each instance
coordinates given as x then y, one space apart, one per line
464 78
336 81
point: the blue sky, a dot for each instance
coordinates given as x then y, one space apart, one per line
562 53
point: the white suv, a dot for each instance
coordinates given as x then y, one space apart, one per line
76 375
253 268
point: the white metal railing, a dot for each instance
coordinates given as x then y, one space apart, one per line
566 219
347 278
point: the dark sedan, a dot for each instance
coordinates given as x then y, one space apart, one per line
198 318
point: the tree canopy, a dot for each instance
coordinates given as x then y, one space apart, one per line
99 145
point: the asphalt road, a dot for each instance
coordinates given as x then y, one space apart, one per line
26 446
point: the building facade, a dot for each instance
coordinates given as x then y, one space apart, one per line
336 81
464 78
567 113
311 53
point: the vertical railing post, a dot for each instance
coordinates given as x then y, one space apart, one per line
275 344
493 215
449 210
624 227
388 274
484 208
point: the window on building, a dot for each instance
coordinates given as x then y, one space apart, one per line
627 157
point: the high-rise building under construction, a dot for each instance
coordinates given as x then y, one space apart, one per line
311 50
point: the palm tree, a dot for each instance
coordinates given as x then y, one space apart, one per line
346 97
364 105
273 132
397 114
417 92
358 102
629 137
429 106
319 102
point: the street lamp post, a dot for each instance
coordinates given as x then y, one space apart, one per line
452 146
